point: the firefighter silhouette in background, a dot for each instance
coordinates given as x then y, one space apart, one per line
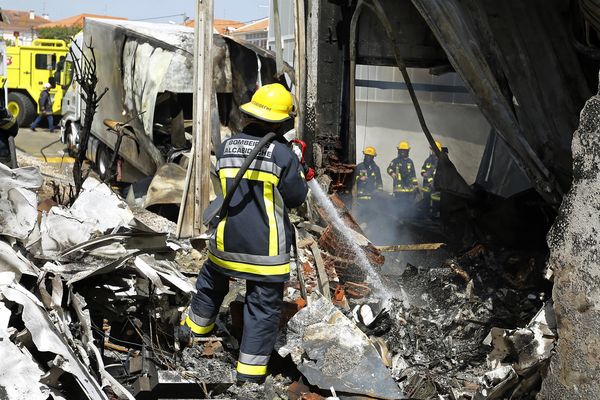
431 197
402 171
367 181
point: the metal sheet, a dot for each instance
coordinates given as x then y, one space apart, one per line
19 374
10 260
18 201
47 338
330 351
499 172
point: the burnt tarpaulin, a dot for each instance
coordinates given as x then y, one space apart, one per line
449 180
516 59
250 67
499 172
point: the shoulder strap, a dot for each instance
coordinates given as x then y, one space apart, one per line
238 177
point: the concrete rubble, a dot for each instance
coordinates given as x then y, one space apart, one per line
89 297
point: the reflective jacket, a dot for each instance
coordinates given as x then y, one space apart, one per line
406 178
364 189
253 241
428 172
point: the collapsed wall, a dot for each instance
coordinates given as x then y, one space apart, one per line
574 259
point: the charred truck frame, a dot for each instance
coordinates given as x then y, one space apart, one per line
148 70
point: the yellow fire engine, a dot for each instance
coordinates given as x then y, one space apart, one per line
29 67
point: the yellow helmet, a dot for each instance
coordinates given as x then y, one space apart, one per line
270 103
438 145
403 146
370 151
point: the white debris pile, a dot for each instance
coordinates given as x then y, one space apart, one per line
96 211
91 290
519 356
18 202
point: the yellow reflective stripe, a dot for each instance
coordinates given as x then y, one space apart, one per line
270 208
252 175
197 329
264 270
221 225
248 369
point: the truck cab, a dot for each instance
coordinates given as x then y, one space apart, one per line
28 68
71 104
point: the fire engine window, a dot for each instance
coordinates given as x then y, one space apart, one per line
45 61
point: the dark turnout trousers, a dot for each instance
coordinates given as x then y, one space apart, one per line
262 311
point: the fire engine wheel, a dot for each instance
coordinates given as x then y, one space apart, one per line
22 108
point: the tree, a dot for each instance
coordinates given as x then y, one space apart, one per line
65 33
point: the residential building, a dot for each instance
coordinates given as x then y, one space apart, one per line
255 32
21 24
288 27
75 21
221 26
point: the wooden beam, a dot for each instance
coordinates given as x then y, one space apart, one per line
322 274
197 189
278 44
300 69
299 268
411 247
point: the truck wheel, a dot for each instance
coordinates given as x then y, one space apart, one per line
71 138
103 159
22 108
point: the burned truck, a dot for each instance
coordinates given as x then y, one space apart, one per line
148 71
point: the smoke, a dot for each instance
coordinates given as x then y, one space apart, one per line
384 218
387 221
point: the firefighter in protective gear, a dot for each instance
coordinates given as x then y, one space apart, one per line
428 173
253 241
402 171
367 180
367 176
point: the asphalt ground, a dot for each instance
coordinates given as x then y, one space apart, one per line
42 145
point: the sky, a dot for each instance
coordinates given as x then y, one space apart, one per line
241 10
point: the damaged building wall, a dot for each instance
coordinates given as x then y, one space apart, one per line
325 45
517 59
574 246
